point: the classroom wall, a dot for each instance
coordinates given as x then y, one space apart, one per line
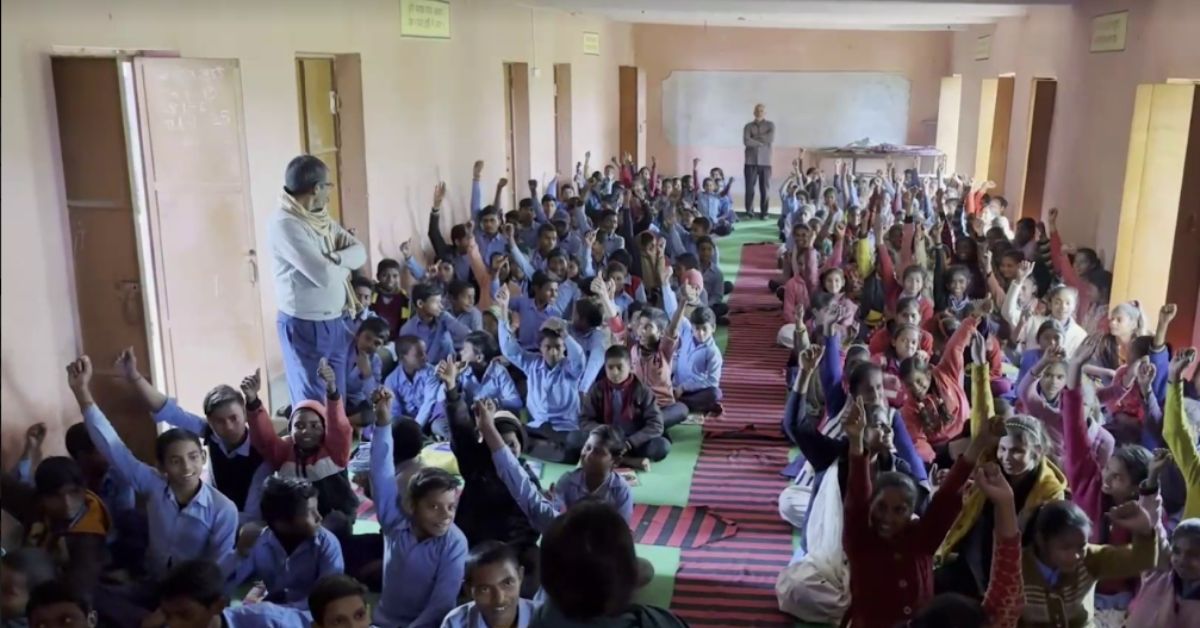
431 108
1090 135
921 57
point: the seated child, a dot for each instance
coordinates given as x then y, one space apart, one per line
714 280
593 479
462 306
622 401
364 291
936 406
1170 593
192 595
591 573
21 572
437 328
237 468
317 447
479 376
1061 568
553 392
73 525
424 551
292 553
494 585
413 383
365 369
390 302
55 603
339 601
532 312
1061 300
188 517
698 365
589 331
653 340
908 312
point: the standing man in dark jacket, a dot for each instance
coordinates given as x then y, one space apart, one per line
621 400
758 135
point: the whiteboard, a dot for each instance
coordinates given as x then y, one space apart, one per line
811 109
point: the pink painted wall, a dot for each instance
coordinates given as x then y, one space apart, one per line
431 108
922 57
1090 137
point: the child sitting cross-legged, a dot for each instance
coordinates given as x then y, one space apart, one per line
879 524
413 384
424 552
494 576
621 400
192 595
293 552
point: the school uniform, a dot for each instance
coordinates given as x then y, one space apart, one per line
359 387
421 578
237 472
203 528
570 489
594 343
552 398
265 615
440 335
635 616
467 616
631 409
392 308
413 395
698 368
532 317
472 319
289 578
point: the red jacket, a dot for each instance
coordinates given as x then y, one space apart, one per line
946 391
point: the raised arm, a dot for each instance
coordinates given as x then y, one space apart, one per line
339 434
274 449
141 475
536 507
509 347
1180 439
384 492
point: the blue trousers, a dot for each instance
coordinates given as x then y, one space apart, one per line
304 343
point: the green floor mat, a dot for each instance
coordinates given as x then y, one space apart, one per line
666 563
668 482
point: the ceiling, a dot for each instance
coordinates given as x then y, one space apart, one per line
811 14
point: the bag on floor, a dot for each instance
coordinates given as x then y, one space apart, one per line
816 588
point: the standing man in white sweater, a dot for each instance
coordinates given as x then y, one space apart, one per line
313 258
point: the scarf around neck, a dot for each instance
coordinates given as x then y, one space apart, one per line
323 226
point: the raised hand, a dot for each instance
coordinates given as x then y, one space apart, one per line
1167 313
502 298
1162 457
406 249
992 483
502 183
325 372
510 232
1180 363
439 194
447 371
485 414
251 384
695 164
1146 371
810 358
1132 517
533 186
982 307
35 436
1025 270
381 399
477 169
127 364
1052 219
79 374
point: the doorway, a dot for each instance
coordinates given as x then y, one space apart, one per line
516 127
329 100
949 113
995 125
563 151
632 88
142 219
1037 156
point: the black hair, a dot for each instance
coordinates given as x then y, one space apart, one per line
407 440
511 215
950 610
617 352
1013 254
404 344
547 197
702 315
303 174
615 267
484 343
330 589
857 354
1136 460
506 424
705 240
34 563
610 439
458 287
425 291
895 479
556 252
220 396
285 499
702 222
908 303
860 373
911 365
622 257
589 568
687 261
820 300
358 281
57 592
385 264
656 315
549 333
374 325
957 269
1140 347
170 437
491 553
1054 518
430 480
606 214
57 473
78 442
590 312
459 232
490 210
540 279
198 579
1047 326
547 228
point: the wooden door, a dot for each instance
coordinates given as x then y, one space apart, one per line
1183 287
517 126
995 123
1037 157
109 290
202 229
628 110
563 150
319 120
351 147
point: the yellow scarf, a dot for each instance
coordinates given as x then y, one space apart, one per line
326 229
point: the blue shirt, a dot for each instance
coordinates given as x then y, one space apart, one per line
495 384
472 319
709 206
359 388
467 616
266 615
553 391
413 396
117 494
204 528
594 344
289 578
697 364
439 335
570 490
532 318
421 579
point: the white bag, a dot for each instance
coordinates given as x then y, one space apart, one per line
786 337
816 588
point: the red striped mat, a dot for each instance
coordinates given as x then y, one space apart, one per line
672 526
731 582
